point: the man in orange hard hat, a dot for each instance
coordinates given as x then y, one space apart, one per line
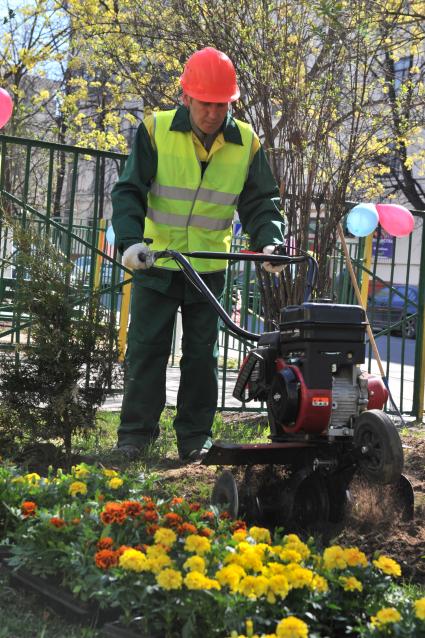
188 171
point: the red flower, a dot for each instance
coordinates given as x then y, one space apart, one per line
238 524
106 558
224 516
28 508
205 531
57 522
151 529
187 528
150 516
194 507
113 513
172 519
208 516
105 543
132 508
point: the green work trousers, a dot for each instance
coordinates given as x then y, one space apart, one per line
150 335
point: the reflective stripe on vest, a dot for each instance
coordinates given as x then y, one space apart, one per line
187 212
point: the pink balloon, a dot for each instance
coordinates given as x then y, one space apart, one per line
396 220
6 107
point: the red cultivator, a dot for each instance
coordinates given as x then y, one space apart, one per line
326 416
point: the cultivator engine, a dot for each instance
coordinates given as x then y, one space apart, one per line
326 416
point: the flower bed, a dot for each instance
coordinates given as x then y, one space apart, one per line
173 568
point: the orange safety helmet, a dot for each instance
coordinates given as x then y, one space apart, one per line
209 76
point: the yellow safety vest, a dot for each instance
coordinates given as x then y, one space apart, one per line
187 212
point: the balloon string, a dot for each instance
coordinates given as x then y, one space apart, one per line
368 328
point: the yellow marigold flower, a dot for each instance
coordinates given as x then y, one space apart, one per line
77 487
291 541
81 471
195 580
115 483
388 566
33 478
319 584
230 576
299 577
290 556
195 564
169 579
354 557
385 616
253 586
156 564
109 473
277 586
260 535
197 544
420 608
133 560
239 535
292 627
165 536
244 546
334 557
251 561
273 569
350 583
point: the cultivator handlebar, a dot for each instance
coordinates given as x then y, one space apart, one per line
197 281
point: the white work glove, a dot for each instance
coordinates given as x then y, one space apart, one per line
131 260
273 268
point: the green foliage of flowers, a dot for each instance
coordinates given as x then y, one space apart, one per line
174 568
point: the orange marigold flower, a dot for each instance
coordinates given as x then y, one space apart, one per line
148 503
224 516
206 532
106 558
113 513
28 508
208 516
151 529
195 507
101 498
177 500
76 521
238 524
132 508
57 522
150 516
186 528
172 519
105 543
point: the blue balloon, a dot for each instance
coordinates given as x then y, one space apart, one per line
362 220
110 235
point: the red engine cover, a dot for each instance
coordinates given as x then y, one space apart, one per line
315 408
378 393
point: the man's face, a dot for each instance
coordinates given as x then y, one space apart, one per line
207 116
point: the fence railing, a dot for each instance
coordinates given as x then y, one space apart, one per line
65 190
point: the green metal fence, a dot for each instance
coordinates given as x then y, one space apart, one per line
65 190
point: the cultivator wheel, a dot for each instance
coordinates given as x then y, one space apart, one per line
379 448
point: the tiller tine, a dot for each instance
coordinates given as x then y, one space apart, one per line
404 491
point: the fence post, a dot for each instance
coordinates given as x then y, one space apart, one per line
419 377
